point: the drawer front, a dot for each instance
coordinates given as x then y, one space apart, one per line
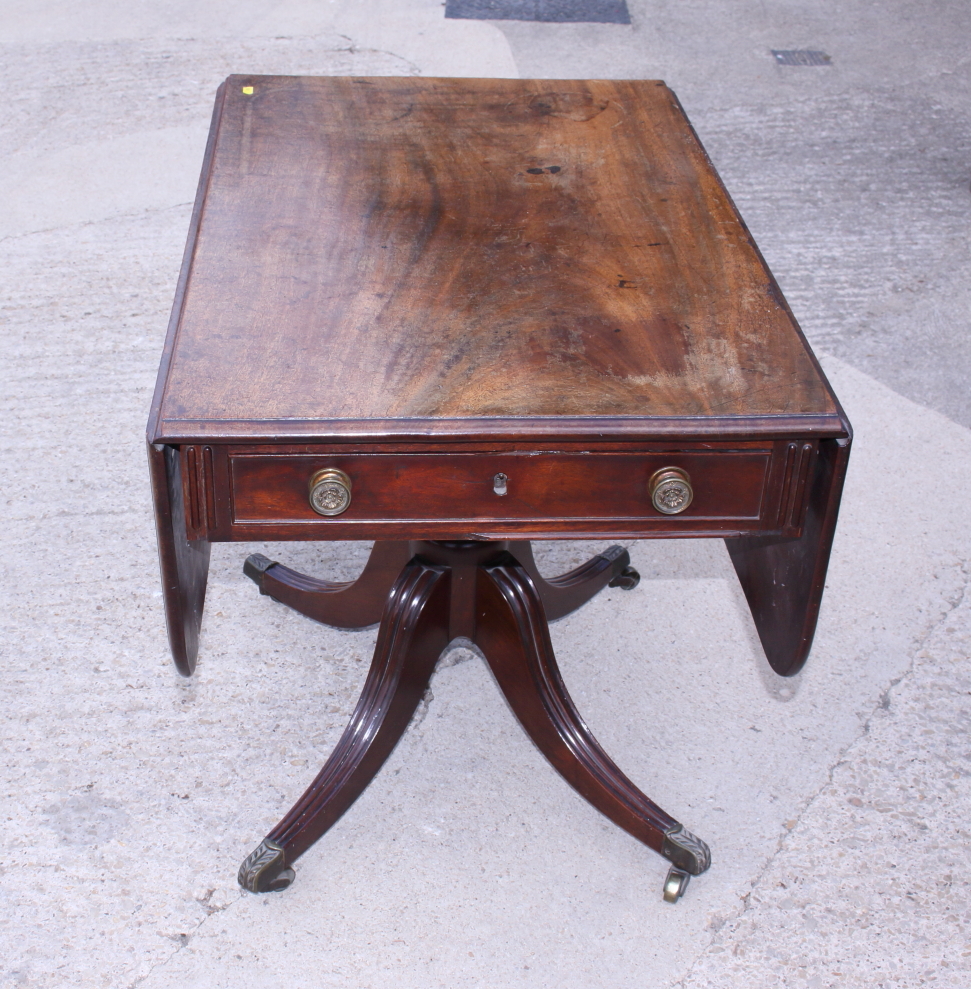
541 489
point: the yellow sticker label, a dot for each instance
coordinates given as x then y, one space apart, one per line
247 90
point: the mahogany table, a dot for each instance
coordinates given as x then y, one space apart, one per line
452 316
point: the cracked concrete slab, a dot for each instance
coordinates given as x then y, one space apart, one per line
130 795
414 30
870 888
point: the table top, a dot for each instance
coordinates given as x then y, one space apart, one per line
459 258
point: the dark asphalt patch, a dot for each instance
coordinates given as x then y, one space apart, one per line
553 11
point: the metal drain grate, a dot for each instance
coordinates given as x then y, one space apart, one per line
801 56
553 11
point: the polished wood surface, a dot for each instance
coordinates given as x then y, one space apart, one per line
729 486
491 594
261 492
351 604
413 636
566 593
184 563
382 257
516 643
428 283
783 579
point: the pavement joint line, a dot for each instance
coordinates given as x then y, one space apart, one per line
182 941
870 94
937 73
182 944
883 704
129 214
355 49
90 513
892 645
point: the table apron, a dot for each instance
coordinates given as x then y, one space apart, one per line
238 494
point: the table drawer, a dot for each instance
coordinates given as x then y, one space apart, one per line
422 493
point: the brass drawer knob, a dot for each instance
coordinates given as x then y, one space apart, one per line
330 491
671 491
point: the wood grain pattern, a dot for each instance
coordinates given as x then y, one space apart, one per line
728 485
565 593
184 564
427 282
347 604
783 579
440 278
414 632
485 592
516 643
376 252
556 492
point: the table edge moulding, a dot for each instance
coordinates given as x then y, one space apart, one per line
451 316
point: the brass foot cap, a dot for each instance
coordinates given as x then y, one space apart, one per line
265 870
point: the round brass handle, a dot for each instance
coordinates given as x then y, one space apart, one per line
330 491
671 490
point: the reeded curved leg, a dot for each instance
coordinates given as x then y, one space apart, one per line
354 604
569 591
514 637
414 632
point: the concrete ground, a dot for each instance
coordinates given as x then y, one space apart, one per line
836 804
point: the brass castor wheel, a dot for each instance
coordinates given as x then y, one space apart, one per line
675 885
626 580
